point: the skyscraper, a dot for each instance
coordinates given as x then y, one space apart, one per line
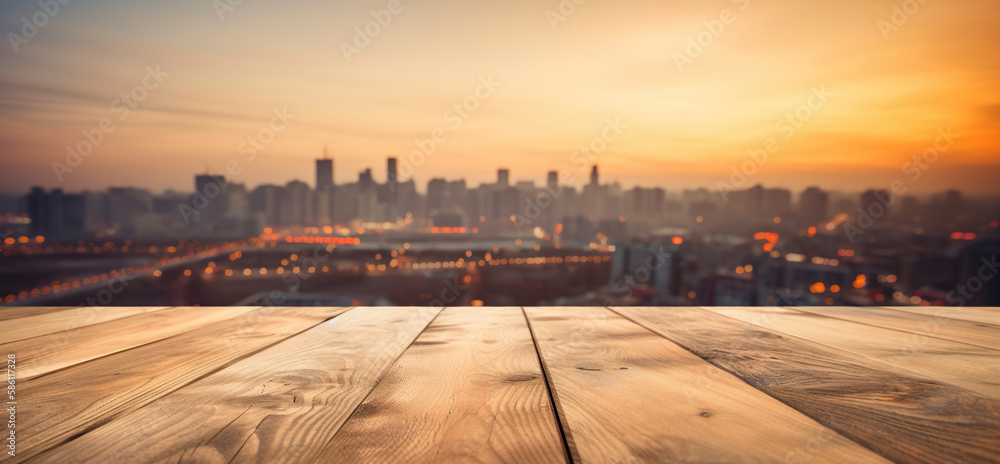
813 205
324 173
391 176
503 177
365 180
56 214
593 176
553 179
210 197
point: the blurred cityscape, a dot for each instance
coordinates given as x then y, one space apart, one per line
381 241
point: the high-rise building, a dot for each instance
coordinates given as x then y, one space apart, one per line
437 191
553 179
593 176
265 201
365 180
324 174
296 204
391 175
775 202
203 184
813 205
503 177
876 203
390 194
209 197
56 214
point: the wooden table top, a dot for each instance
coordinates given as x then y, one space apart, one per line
384 384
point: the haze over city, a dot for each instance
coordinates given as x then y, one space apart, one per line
895 80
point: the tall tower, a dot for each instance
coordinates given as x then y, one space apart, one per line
593 175
553 179
324 172
503 177
391 171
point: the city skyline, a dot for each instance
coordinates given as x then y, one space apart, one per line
538 82
325 175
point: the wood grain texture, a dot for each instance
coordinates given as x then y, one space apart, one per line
937 325
282 404
469 389
68 319
907 418
975 314
40 355
15 312
972 367
67 403
626 394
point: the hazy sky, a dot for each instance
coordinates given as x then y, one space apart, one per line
893 90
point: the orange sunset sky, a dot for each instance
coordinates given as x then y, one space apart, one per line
560 78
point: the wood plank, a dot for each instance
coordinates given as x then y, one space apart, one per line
47 353
59 406
938 325
469 389
14 312
902 416
68 319
981 315
626 394
282 404
968 366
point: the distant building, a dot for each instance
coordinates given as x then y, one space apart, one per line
875 206
209 199
324 174
365 180
264 201
645 203
776 202
813 206
56 214
391 174
503 177
437 193
650 265
296 204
